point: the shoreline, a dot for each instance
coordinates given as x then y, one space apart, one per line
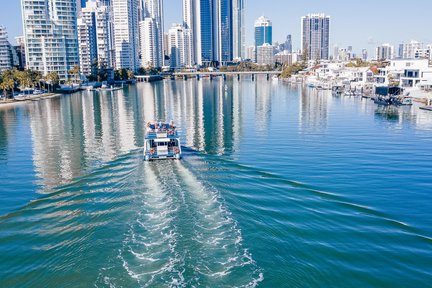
14 102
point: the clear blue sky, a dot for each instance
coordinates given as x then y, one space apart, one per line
362 24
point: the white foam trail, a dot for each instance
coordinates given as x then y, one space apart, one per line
217 234
148 254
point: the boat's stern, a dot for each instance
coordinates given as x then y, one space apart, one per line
162 148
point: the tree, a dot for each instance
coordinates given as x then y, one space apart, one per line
52 79
293 69
7 83
130 74
35 77
74 72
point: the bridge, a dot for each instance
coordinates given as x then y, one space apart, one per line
200 74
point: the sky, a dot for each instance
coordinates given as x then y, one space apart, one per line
361 24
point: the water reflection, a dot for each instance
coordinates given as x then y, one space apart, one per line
263 106
74 133
314 109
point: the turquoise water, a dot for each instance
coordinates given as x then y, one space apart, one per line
280 186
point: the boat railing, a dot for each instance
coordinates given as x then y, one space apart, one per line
156 133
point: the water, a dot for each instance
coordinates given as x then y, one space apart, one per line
280 186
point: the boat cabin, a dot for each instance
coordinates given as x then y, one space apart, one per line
161 142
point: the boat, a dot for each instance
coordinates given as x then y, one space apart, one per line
161 141
337 90
382 100
110 88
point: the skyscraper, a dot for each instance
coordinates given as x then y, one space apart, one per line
151 33
50 30
217 29
179 43
263 31
315 36
5 50
239 48
95 33
263 34
20 48
288 43
126 34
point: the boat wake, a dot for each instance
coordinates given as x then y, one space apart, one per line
182 236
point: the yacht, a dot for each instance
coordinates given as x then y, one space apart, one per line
161 141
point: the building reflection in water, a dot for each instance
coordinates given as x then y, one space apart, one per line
78 132
263 95
74 133
203 110
313 112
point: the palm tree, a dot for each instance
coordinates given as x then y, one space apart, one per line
74 72
7 84
52 79
130 74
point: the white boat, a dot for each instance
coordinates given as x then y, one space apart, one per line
161 142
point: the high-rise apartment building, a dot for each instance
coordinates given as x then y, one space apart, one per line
364 54
51 37
20 50
95 33
263 35
5 50
408 50
126 34
384 52
217 29
179 46
238 27
151 34
315 30
266 54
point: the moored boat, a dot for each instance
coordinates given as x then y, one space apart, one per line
161 141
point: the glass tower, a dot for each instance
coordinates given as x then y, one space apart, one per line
263 31
226 31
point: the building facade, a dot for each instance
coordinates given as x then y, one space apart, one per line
126 34
238 30
384 52
179 46
20 50
287 58
51 36
266 54
315 40
96 40
408 50
217 29
263 31
151 34
5 50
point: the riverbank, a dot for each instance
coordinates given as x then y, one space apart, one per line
21 100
